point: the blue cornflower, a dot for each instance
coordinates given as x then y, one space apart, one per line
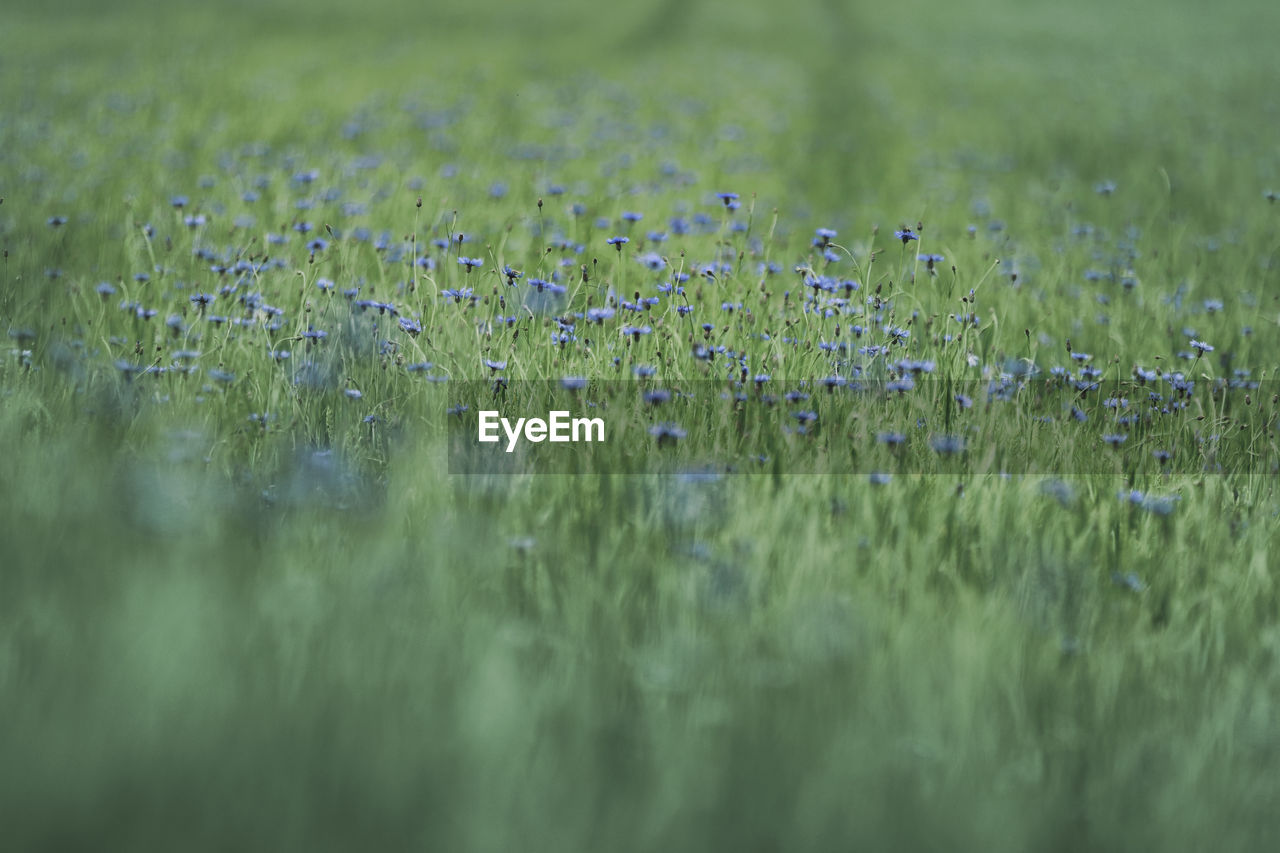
1130 580
667 432
470 263
458 295
652 260
900 386
1059 490
55 221
906 235
410 326
657 396
1115 439
727 198
541 286
946 444
495 365
1201 347
1156 504
599 315
353 393
618 242
1159 504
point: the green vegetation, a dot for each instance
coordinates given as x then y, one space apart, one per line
244 604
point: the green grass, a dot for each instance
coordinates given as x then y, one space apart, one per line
240 608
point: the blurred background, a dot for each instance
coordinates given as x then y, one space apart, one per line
854 92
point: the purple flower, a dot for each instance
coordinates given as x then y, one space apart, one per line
666 432
458 295
946 444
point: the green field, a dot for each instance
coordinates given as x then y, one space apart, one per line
944 524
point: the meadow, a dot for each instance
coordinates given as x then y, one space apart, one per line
938 344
